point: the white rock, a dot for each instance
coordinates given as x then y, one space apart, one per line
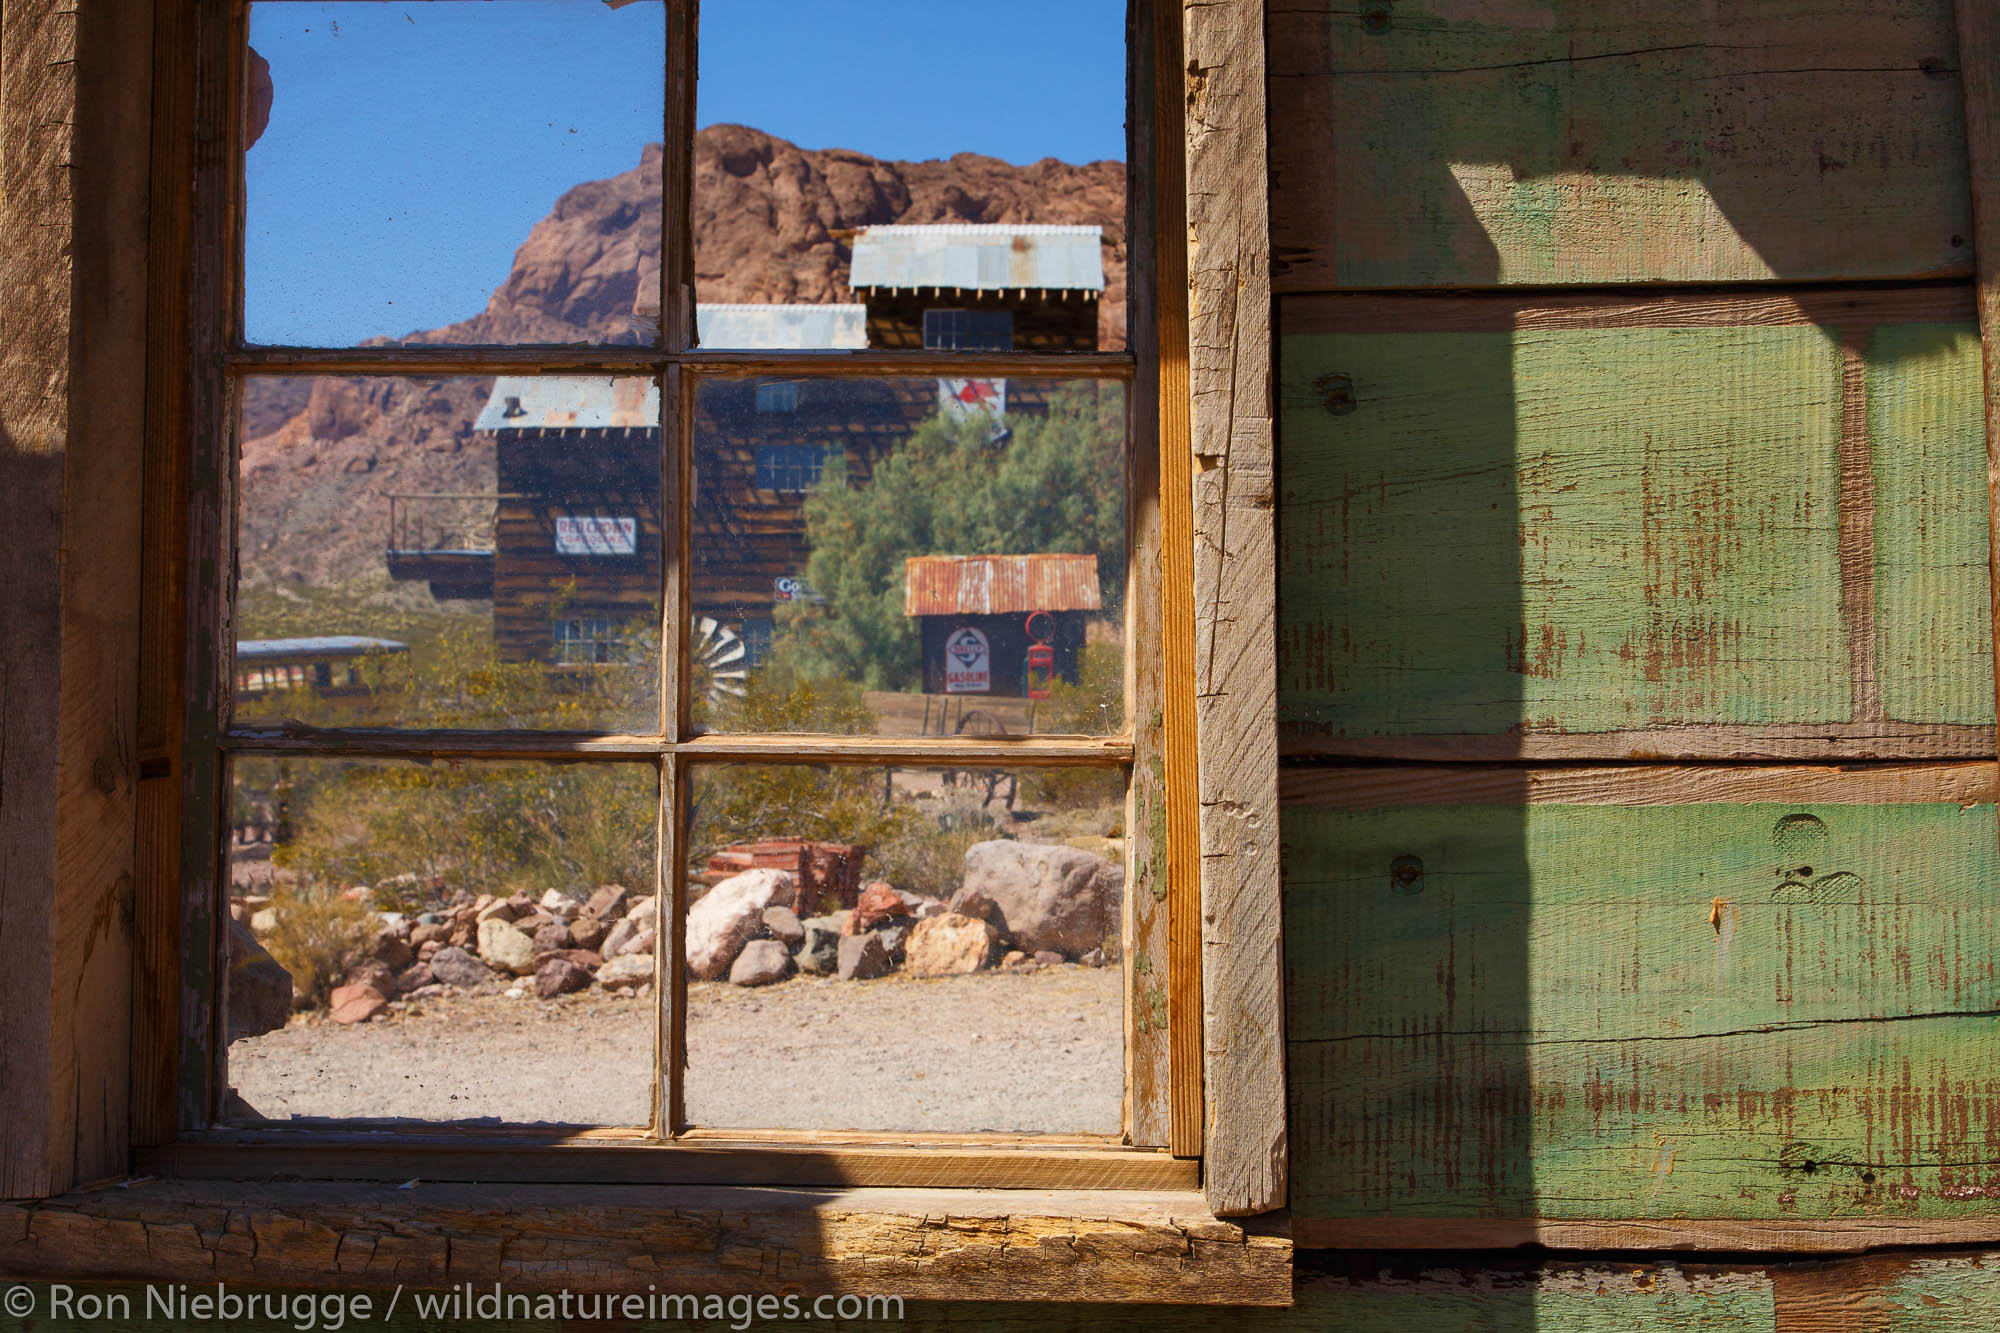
644 912
505 946
627 973
729 914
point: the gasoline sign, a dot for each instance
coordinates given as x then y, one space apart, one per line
968 662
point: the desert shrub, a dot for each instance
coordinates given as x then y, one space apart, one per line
1092 706
318 935
416 831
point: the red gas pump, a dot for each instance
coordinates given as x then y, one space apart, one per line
1039 669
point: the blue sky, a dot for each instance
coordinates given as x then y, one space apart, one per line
412 145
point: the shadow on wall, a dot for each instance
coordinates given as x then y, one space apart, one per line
1505 518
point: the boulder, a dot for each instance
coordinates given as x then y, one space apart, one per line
949 945
414 978
555 935
260 991
782 923
264 920
457 967
642 942
1093 958
628 973
862 958
645 912
506 947
615 939
587 932
895 934
428 949
500 909
761 963
559 976
557 903
932 907
391 950
1045 896
524 903
357 1003
729 914
1048 957
430 932
880 902
607 904
1016 961
819 945
372 974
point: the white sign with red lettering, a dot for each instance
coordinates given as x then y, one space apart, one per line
968 663
581 534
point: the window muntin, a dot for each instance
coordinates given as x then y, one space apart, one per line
794 468
969 330
692 661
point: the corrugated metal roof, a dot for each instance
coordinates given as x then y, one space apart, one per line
782 328
322 645
998 585
571 402
980 257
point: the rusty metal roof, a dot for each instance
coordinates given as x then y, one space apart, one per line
980 257
998 585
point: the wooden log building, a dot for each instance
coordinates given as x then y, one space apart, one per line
1578 452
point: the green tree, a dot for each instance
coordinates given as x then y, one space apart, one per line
1055 484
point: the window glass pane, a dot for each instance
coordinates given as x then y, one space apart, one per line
465 552
933 556
905 949
441 941
979 166
452 172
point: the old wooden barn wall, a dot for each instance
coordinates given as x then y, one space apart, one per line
1635 667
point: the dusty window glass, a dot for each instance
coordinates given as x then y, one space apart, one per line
972 914
952 561
463 552
440 930
444 171
828 219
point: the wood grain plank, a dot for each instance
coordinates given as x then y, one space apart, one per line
1631 533
1442 143
1330 788
1773 1010
1244 1155
1152 687
37 115
1015 1246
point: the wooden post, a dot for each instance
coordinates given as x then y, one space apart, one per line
73 304
1229 237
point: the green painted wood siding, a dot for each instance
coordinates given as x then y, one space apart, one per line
1580 531
1601 1011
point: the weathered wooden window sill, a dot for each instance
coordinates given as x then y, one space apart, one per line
921 1244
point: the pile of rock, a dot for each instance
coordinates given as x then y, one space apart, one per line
1021 906
554 944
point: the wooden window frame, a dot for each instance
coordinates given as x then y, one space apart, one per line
1203 897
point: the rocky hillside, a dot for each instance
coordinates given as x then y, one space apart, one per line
322 455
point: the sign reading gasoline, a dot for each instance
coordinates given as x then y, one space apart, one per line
581 534
968 662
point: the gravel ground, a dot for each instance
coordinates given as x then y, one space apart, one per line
1036 1051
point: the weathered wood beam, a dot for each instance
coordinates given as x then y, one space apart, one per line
1979 79
921 1244
1244 1157
74 105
